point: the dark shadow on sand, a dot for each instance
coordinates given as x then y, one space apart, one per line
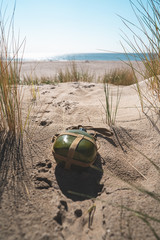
154 122
78 184
11 164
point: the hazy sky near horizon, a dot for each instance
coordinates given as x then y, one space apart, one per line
54 27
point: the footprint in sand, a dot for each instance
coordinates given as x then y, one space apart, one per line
76 85
65 104
60 215
45 92
44 166
43 179
53 87
45 122
43 182
89 86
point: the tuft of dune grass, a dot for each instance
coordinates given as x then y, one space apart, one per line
146 44
120 76
12 164
73 75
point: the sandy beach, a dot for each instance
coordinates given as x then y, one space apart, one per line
71 205
51 68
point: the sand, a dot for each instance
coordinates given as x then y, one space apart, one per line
58 205
51 68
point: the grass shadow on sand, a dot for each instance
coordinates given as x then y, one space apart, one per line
154 122
80 185
12 166
120 161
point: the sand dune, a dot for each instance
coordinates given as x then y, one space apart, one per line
58 206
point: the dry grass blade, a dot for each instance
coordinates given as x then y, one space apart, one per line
150 160
151 228
144 215
140 214
145 218
145 191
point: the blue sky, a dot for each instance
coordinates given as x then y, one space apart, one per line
54 27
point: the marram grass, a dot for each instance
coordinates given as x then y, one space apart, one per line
120 76
10 98
12 164
10 95
146 44
72 74
111 106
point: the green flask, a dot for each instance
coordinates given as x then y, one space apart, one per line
75 147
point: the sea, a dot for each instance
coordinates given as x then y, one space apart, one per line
98 57
90 57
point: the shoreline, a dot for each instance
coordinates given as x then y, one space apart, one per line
52 68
